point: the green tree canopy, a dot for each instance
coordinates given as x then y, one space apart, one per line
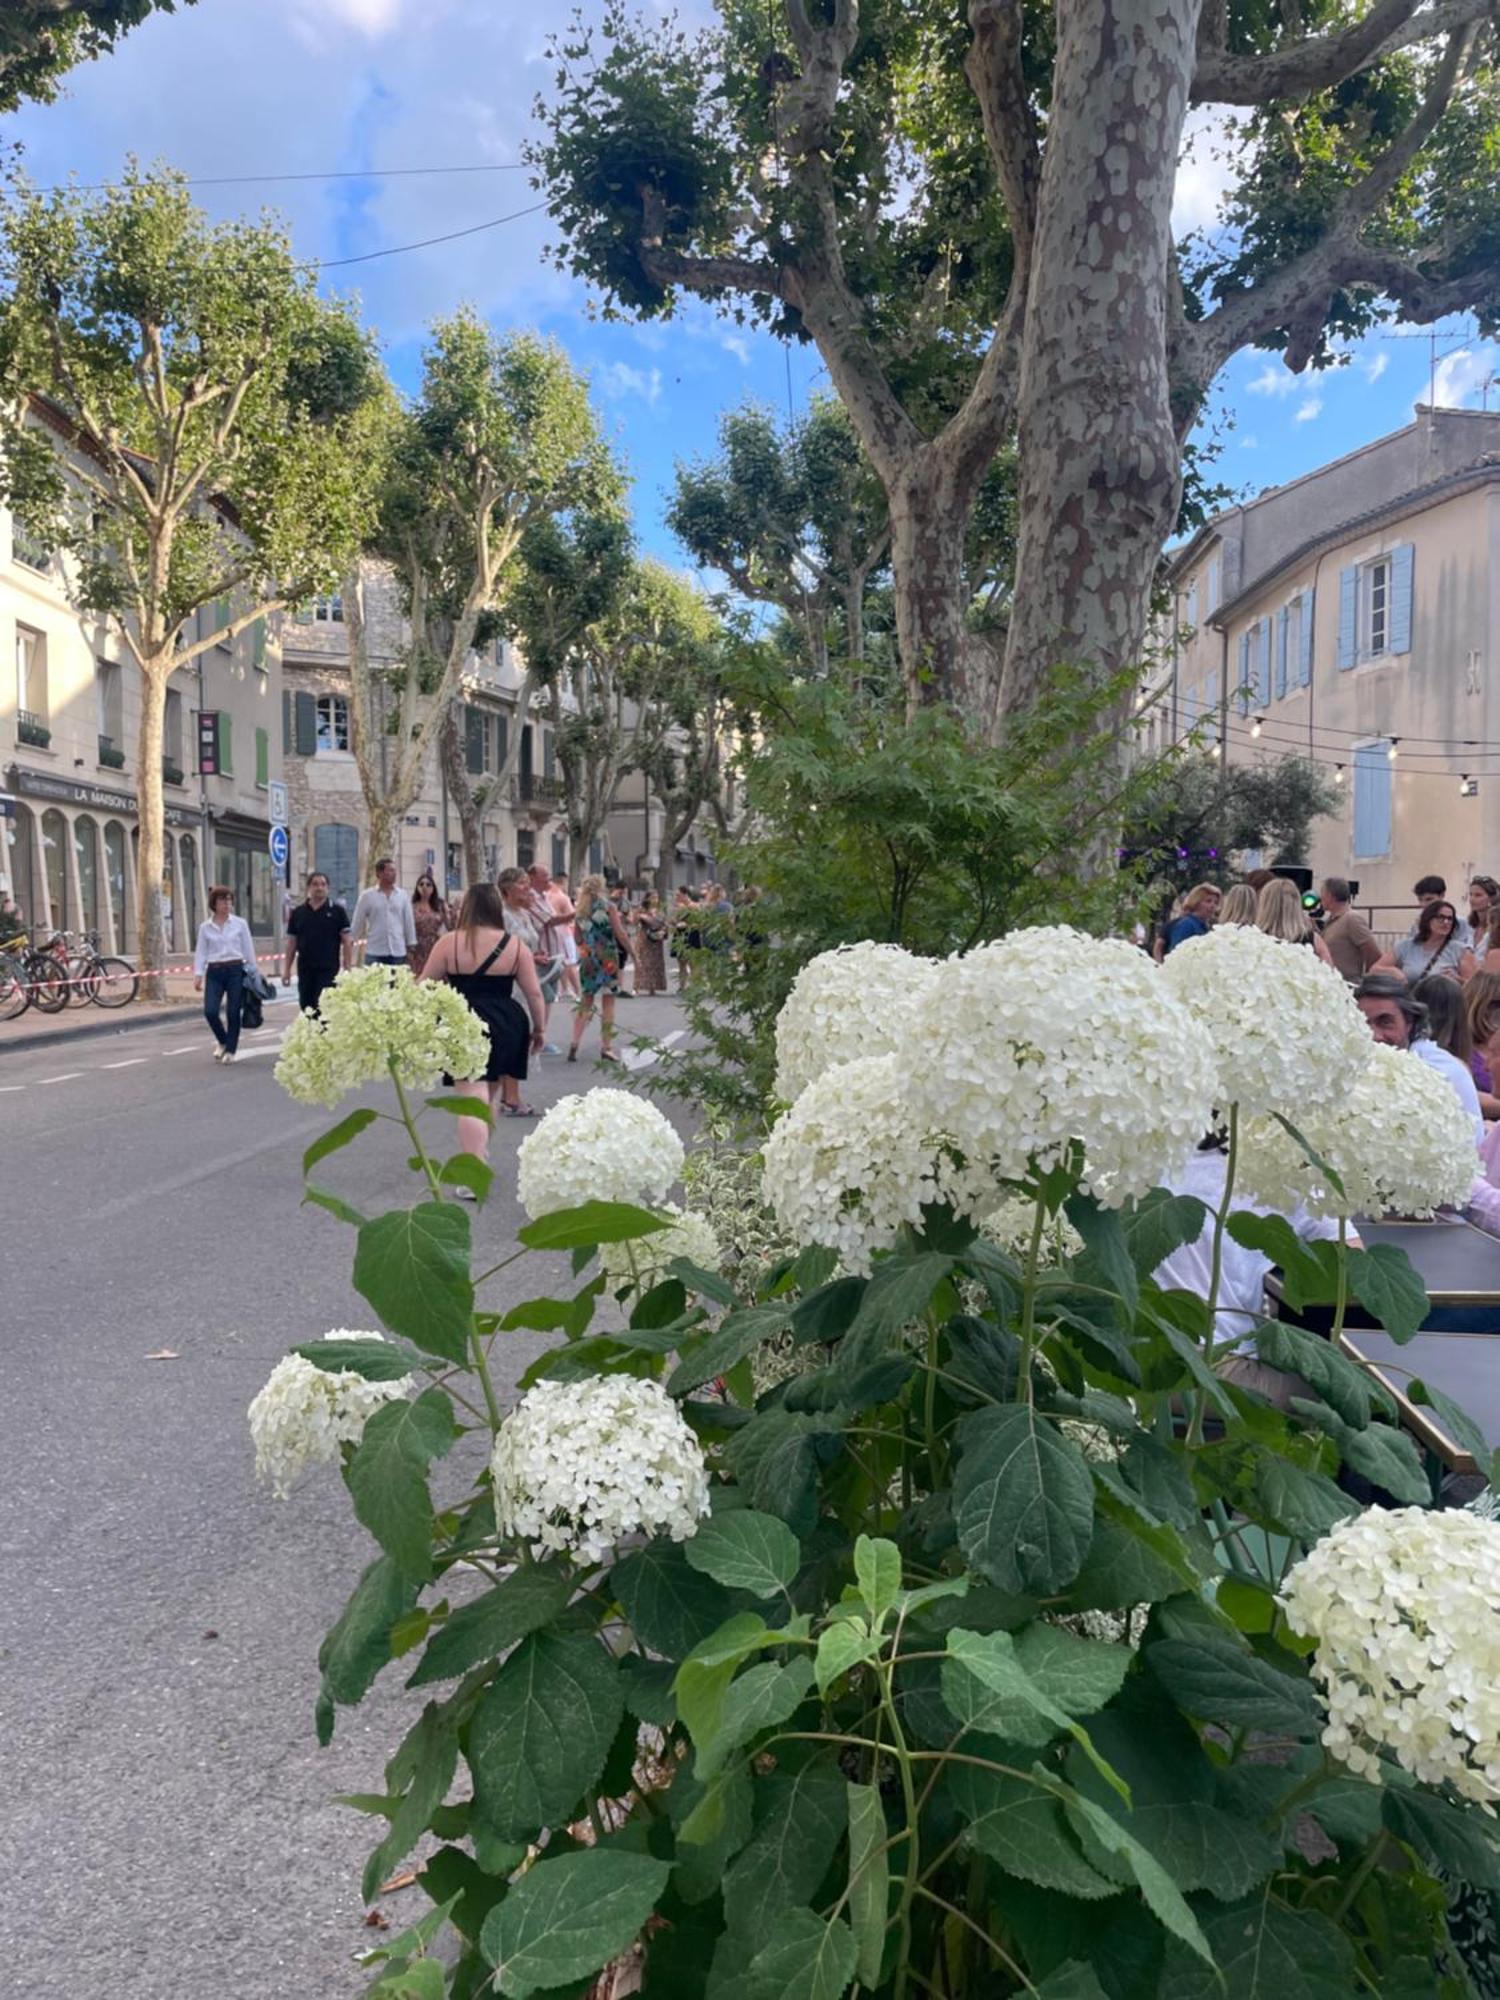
969 212
41 40
1187 819
203 454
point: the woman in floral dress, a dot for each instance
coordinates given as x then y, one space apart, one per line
430 915
651 946
602 950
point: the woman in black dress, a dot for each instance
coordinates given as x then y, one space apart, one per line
482 963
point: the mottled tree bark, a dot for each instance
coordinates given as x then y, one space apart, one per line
150 818
452 751
1100 474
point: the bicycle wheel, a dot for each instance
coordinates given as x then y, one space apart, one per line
48 983
112 983
15 994
81 980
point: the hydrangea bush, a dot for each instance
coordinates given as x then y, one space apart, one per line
1006 1648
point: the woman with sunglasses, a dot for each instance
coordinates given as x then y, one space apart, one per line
432 918
1440 944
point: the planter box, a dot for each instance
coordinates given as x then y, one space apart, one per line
35 733
171 774
110 757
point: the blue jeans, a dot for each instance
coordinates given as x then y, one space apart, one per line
223 983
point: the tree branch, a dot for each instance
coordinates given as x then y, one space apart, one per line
1299 68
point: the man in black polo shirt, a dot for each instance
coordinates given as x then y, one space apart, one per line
317 943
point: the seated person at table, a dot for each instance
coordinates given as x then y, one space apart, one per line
1399 1019
1242 1275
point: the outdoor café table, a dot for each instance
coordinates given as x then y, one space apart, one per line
1458 1264
1463 1366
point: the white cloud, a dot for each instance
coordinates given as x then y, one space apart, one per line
1307 411
1376 367
371 17
1275 379
737 345
1250 443
1204 169
619 379
1461 377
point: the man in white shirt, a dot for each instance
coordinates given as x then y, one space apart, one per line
1399 1020
383 921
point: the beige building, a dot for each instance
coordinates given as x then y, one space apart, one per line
515 782
69 730
1353 617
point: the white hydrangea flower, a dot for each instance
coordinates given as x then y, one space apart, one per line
1008 1226
1286 1031
372 1017
645 1260
847 1165
305 1413
604 1145
859 1000
1046 1038
1404 1604
1398 1138
582 1465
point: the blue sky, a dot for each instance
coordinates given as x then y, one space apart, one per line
231 87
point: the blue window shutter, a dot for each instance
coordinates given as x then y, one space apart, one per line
1281 625
1263 662
1372 802
1244 681
1211 693
1401 576
1348 618
1309 612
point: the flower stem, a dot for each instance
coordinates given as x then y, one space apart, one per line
1216 1269
1028 1301
433 1183
1341 1300
913 1874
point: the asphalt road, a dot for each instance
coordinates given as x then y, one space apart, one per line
167 1824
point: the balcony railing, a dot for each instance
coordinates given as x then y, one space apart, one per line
29 551
31 729
110 754
171 771
527 789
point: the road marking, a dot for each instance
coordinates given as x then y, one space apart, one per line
186 1049
5 1087
130 1062
67 1077
636 1059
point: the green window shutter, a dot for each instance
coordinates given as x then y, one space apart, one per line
226 746
502 741
474 743
287 738
221 618
258 645
262 756
307 725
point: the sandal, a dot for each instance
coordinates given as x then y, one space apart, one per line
573 1053
608 1055
519 1110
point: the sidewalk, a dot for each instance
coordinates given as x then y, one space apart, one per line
32 1030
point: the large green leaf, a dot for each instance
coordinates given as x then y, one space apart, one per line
359 1643
746 1550
1383 1281
375 1360
1130 1562
842 1645
1073 1981
1165 1899
1220 1682
801 1817
525 1601
1380 1452
671 1606
774 1459
1023 1502
1024 1832
737 1335
1075 1676
877 1571
592 1222
1459 1840
826 1315
1454 1419
541 1734
568 1917
807 1959
991 1658
1265 1951
869 1880
1289 1497
1105 1259
413 1267
1341 1383
430 1756
1158 1224
387 1477
897 1294
338 1135
701 1686
758 1699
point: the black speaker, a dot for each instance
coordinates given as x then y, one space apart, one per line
1300 878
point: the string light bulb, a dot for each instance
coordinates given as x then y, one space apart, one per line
1338 774
1393 750
1255 726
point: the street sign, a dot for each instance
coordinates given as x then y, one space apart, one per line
276 798
208 742
281 848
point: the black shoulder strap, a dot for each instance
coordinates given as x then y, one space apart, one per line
480 970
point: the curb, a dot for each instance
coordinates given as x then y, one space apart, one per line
148 1016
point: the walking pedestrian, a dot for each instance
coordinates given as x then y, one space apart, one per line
224 956
602 945
430 917
650 946
317 943
383 921
481 960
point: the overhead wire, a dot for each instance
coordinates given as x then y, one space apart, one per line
326 174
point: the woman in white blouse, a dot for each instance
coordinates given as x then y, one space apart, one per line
224 958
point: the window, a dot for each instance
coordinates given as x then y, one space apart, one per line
559 855
336 854
114 875
525 846
86 847
1375 608
262 758
31 675
476 738
26 548
187 855
109 695
332 724
328 610
171 731
1372 801
55 868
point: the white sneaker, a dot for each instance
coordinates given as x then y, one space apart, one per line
218 1055
228 1056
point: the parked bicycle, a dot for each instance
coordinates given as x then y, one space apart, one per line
108 982
30 977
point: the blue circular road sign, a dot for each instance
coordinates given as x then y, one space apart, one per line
280 846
